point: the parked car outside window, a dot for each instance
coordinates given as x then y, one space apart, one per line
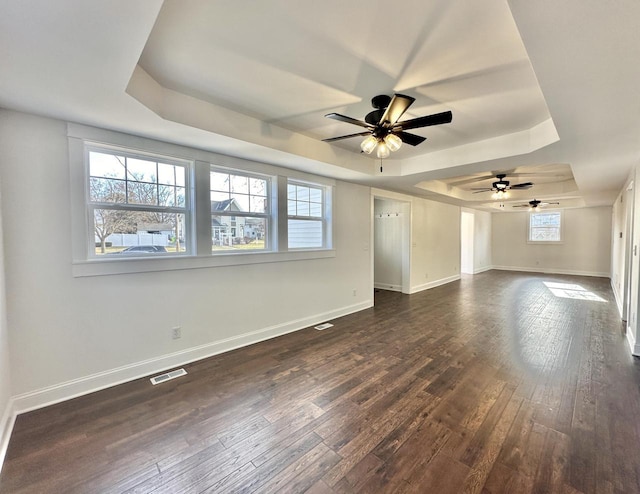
141 249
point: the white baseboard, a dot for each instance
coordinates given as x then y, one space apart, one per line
388 286
101 380
433 284
596 274
482 270
6 427
633 344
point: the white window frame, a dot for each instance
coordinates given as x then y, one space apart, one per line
93 205
270 228
560 228
326 217
201 252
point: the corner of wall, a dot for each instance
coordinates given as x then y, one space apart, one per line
7 421
633 344
7 417
433 284
483 269
617 296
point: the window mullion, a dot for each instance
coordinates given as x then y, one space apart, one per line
157 184
281 214
126 181
202 207
137 207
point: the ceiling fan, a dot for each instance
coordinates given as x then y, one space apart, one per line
384 132
511 174
501 186
534 204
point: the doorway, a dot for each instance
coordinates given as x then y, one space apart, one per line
391 227
466 242
628 255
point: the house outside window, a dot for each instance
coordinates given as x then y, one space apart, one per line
307 215
545 227
240 214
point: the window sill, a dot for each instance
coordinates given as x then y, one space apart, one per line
102 267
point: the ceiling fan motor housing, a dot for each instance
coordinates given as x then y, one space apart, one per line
501 184
374 117
381 101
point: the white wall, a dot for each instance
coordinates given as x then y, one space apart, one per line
585 250
388 222
434 240
90 332
435 243
482 260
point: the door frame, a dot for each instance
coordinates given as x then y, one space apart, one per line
406 238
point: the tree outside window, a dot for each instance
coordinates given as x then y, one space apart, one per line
135 201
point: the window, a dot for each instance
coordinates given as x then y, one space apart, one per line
138 205
306 215
240 215
545 227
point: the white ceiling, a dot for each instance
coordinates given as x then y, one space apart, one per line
532 85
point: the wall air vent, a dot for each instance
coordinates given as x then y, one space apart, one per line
324 325
168 376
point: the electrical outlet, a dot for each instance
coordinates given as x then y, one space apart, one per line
176 333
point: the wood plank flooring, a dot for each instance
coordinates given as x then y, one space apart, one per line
490 384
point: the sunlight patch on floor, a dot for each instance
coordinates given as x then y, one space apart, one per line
569 290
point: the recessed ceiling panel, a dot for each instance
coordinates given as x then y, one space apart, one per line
289 63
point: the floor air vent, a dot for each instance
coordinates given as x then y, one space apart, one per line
168 376
324 325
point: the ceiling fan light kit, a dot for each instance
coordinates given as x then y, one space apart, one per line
500 194
385 133
389 143
382 151
393 142
369 144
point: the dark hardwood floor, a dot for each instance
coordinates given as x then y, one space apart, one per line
490 384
